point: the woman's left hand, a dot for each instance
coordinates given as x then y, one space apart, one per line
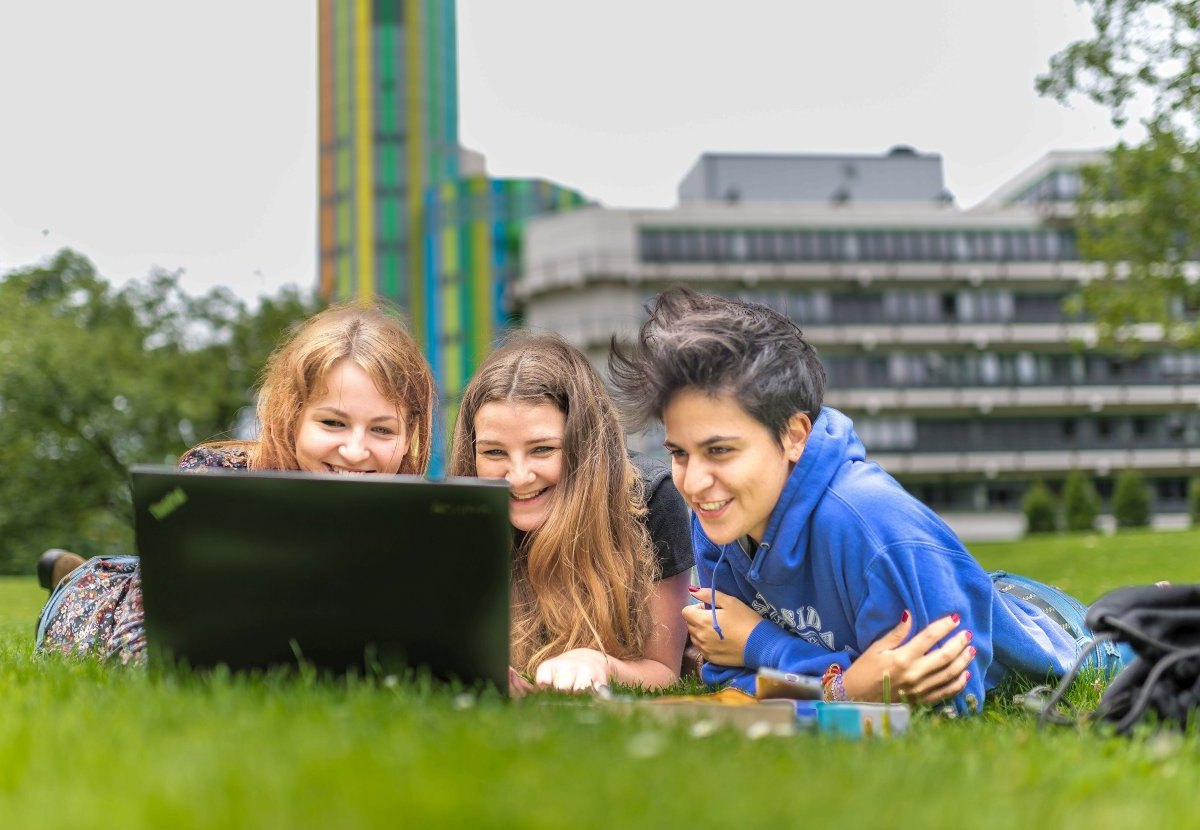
736 618
577 670
518 686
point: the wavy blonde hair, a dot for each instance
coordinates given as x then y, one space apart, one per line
376 340
583 579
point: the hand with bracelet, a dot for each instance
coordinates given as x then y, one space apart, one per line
916 671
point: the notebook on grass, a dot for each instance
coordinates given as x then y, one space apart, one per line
256 569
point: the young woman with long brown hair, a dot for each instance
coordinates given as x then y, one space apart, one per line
348 391
602 556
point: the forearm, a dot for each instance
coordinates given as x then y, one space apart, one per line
659 663
771 647
647 673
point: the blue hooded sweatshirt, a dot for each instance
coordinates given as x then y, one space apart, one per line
846 551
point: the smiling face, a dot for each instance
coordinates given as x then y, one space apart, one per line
351 427
727 465
522 443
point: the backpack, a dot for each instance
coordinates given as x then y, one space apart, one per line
1161 624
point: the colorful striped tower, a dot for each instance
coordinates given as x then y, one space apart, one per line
388 133
475 229
396 218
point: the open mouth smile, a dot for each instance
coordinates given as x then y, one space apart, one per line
343 471
710 509
529 496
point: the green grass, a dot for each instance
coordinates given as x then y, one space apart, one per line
1087 564
84 745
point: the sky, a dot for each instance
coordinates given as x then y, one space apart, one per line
158 133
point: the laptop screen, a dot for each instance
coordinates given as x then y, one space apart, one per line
365 573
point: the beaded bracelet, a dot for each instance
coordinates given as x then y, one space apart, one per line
833 683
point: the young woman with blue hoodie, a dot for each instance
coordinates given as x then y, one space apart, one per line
812 559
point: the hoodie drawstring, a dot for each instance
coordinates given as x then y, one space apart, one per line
713 588
759 551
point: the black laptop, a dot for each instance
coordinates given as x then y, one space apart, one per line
372 573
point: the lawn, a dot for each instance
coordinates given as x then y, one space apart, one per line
82 745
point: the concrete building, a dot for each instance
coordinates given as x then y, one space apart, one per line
943 330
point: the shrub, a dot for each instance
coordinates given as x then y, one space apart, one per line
1081 503
1131 500
1041 510
1194 500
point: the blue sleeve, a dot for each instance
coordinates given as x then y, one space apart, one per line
902 579
739 677
768 645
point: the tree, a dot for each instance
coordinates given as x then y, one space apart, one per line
1141 49
1040 508
1139 218
1081 502
94 379
1131 500
1139 212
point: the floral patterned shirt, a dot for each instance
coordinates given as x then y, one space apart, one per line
97 610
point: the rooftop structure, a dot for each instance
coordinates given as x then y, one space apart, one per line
901 175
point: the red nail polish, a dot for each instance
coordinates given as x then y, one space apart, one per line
968 675
904 617
972 651
955 617
970 636
693 588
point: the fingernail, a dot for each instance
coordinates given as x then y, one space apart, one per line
955 617
693 588
968 675
970 636
971 651
904 617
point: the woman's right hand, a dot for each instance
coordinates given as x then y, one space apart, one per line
917 671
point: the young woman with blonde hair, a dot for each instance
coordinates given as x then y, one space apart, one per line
602 557
347 391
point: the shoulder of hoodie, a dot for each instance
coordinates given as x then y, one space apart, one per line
867 502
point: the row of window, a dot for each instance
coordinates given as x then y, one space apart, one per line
935 370
1046 434
808 245
911 306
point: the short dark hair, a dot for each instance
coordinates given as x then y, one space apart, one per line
717 345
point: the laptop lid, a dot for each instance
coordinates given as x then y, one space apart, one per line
253 569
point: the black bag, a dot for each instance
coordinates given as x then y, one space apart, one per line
1162 624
